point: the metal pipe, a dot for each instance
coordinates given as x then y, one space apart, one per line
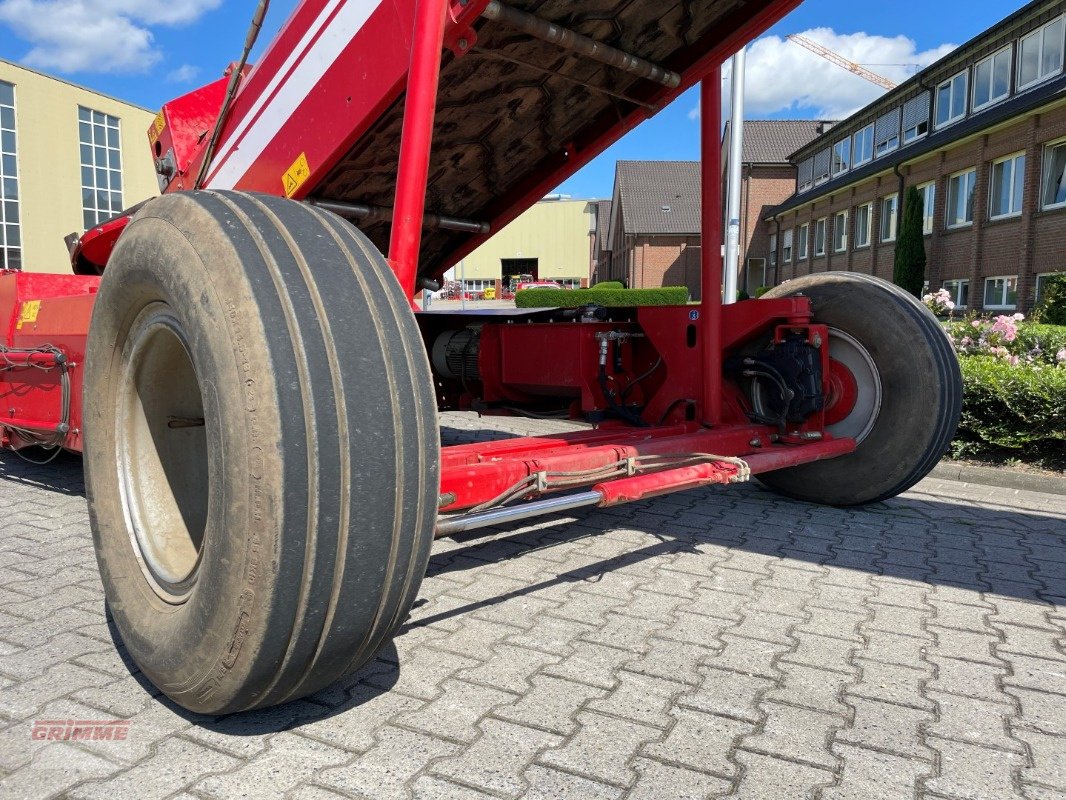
711 246
546 31
449 526
416 140
736 153
383 213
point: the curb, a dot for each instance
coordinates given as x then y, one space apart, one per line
1003 478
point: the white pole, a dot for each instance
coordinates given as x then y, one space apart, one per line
736 150
462 284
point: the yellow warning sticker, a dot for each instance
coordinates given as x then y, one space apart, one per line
296 175
30 310
157 127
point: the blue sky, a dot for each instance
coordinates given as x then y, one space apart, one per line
148 53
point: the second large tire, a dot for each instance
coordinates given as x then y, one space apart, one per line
911 418
261 448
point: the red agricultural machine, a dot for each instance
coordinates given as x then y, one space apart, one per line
257 398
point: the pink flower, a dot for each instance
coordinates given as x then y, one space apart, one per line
966 341
1013 361
1019 317
1006 326
976 323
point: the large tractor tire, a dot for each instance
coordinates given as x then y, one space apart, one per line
262 448
897 373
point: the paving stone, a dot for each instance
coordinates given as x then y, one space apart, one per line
429 787
967 719
892 683
509 668
55 768
640 698
701 742
593 664
798 734
871 775
550 784
967 678
969 645
1023 640
1043 711
824 652
474 638
896 648
1040 673
812 688
422 675
353 725
750 656
729 694
602 747
551 705
1049 759
768 777
498 758
657 781
383 771
970 771
889 728
673 660
455 714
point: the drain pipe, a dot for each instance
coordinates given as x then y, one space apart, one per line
736 153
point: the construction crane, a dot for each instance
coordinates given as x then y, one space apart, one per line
838 59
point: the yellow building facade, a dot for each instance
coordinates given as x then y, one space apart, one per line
70 158
550 240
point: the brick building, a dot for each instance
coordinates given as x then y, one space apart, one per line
653 238
768 178
982 135
599 222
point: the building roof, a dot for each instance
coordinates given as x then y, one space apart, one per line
73 85
659 197
772 141
603 223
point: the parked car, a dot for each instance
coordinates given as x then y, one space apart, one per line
539 285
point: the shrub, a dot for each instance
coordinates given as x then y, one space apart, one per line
1010 339
1052 307
909 270
940 303
762 290
618 298
608 285
1014 407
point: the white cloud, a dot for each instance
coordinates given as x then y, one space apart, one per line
95 35
784 77
186 73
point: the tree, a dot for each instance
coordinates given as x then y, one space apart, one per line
909 271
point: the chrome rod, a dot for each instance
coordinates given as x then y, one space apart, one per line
540 28
369 213
457 523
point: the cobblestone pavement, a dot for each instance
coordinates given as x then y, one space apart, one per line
715 643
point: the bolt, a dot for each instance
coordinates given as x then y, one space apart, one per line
756 442
463 44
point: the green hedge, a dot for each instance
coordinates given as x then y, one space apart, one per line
608 285
1048 338
617 298
1013 407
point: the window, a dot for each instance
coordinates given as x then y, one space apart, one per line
1008 182
821 167
841 157
886 133
805 175
889 217
1041 281
840 232
1053 193
864 146
991 79
928 193
101 166
951 100
863 216
803 237
1040 54
916 118
960 198
819 237
773 250
786 246
1001 292
959 291
10 231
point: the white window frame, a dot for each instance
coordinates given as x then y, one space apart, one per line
787 237
1013 202
99 172
948 223
803 245
846 161
894 200
1008 51
928 208
864 212
840 232
1039 283
824 177
823 222
954 288
921 130
773 251
866 133
1003 305
11 244
1039 35
1045 174
956 115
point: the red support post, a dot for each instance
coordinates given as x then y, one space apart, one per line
711 245
416 143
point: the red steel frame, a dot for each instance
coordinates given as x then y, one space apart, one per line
471 474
